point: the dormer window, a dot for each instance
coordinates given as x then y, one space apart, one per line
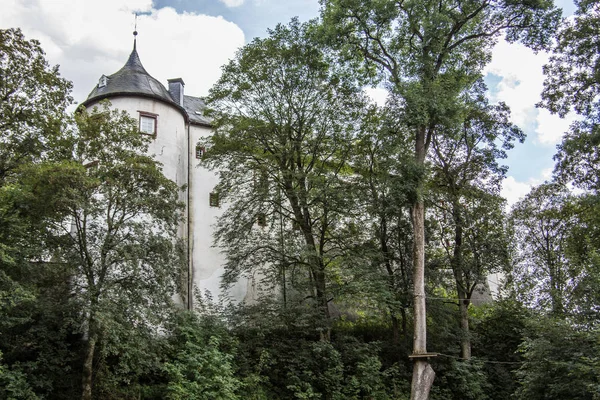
148 123
103 81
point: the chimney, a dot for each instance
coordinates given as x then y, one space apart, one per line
176 90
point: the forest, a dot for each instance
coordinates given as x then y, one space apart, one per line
373 231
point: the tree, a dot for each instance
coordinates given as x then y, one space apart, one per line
33 100
34 301
573 84
561 361
542 221
382 185
465 184
429 52
572 80
283 120
120 238
472 245
199 368
499 329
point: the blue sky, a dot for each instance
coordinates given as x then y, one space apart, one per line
529 163
192 39
253 16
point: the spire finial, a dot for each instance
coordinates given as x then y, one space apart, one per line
135 32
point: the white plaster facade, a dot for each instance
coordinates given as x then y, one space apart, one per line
179 129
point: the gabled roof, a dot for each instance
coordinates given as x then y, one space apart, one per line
131 79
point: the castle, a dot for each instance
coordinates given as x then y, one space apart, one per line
176 123
178 127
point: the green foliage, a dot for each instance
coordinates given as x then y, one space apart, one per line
284 119
499 329
460 380
33 100
200 361
561 361
429 51
200 371
577 158
319 187
572 80
542 221
13 384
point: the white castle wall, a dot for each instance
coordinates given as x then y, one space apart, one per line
207 261
175 148
169 145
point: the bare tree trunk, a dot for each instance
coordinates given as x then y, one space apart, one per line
322 303
403 316
461 282
423 374
88 368
465 338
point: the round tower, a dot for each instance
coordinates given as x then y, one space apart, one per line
134 90
178 127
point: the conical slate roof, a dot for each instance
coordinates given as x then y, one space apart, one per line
132 79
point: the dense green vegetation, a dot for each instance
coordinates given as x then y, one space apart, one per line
334 205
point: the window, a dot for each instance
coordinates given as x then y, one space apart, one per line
148 123
213 199
261 219
103 81
91 164
200 151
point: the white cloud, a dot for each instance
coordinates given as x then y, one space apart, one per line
551 127
521 85
513 190
377 95
232 3
89 39
522 79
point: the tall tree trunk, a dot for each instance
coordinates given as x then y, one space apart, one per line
395 330
322 302
423 374
403 316
88 367
461 283
465 335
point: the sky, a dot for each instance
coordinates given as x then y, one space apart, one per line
192 39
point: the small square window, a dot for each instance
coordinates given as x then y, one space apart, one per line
261 219
200 151
148 123
213 199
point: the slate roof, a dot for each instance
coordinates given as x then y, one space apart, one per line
194 106
131 79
